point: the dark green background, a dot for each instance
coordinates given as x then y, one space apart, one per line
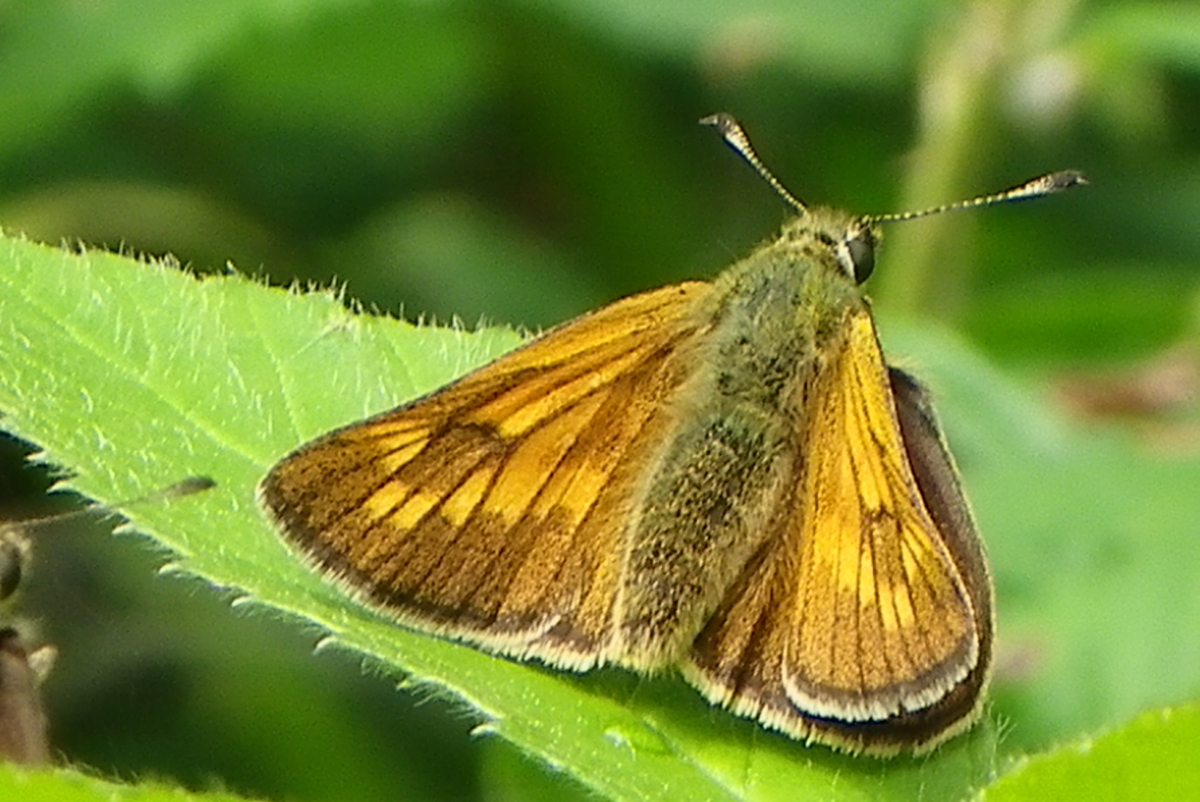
522 162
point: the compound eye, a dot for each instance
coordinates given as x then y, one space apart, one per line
860 253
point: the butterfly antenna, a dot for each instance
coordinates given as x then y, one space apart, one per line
1034 188
735 136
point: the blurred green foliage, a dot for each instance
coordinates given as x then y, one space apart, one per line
525 161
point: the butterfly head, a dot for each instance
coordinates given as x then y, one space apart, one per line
846 242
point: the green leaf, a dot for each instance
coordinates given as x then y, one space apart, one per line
132 375
1152 757
66 785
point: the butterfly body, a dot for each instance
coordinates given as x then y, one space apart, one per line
723 477
708 491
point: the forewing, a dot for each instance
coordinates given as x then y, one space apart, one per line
493 509
854 625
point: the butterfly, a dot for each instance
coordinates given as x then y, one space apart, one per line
721 477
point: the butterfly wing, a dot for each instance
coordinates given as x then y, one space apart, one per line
492 510
857 622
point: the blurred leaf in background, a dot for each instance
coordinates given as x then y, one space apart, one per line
522 162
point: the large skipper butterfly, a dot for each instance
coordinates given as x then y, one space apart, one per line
724 477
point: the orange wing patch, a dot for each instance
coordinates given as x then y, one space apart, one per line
878 622
879 601
491 509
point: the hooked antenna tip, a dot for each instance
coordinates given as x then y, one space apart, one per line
735 136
